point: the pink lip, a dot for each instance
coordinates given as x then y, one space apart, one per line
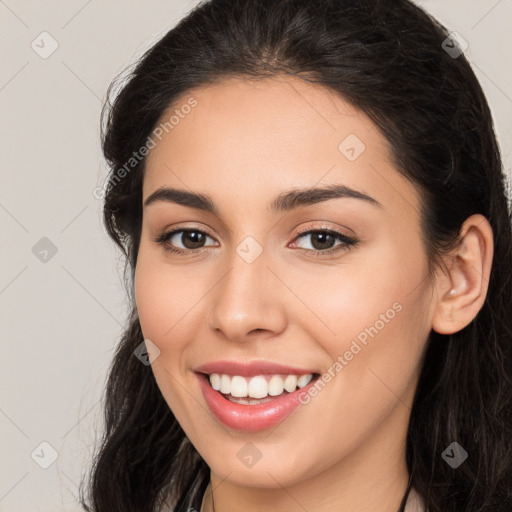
251 369
250 418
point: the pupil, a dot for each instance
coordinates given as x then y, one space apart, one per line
325 244
196 238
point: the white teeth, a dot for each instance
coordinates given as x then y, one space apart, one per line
215 381
249 401
304 380
225 384
238 387
290 383
275 386
258 387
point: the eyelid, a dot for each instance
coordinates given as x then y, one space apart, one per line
324 227
174 229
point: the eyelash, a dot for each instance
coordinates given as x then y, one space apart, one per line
347 242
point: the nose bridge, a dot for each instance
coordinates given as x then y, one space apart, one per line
246 298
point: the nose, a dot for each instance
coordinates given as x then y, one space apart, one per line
248 302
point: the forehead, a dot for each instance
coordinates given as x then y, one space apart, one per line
253 136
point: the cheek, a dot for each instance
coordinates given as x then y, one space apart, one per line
381 331
163 295
375 318
153 303
347 298
163 301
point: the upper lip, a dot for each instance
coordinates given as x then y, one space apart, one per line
250 369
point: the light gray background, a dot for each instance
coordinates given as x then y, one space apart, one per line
61 319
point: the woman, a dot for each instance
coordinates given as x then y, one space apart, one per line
310 198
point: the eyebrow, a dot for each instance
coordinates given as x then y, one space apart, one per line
285 201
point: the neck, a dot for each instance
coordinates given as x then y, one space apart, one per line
372 477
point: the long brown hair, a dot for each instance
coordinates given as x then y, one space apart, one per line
388 59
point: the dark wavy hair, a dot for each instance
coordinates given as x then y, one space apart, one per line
386 58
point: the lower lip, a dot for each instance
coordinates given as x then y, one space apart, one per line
250 418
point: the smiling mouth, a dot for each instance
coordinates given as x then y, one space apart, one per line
258 389
256 400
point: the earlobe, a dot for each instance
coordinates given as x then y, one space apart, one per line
462 290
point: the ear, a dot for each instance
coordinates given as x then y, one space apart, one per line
461 291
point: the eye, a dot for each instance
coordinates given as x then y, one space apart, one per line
323 241
190 240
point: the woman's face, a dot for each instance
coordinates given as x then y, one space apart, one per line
252 290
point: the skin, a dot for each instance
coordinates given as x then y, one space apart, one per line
242 145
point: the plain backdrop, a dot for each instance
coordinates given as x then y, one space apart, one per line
62 301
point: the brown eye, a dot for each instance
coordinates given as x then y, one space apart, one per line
183 240
323 241
192 239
